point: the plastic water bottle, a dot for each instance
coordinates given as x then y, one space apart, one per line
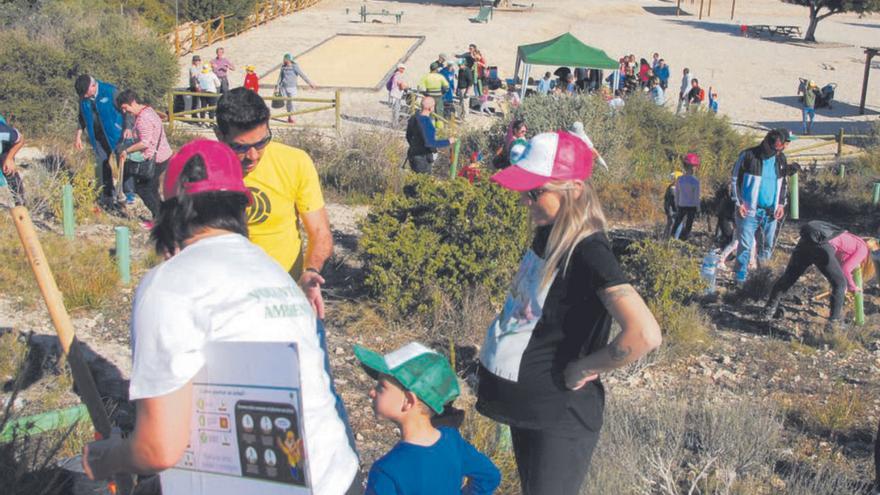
709 269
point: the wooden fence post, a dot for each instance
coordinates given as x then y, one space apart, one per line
171 110
840 143
338 105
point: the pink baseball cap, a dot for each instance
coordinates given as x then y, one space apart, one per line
692 159
222 166
546 157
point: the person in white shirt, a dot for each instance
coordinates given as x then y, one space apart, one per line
216 285
686 79
209 84
396 87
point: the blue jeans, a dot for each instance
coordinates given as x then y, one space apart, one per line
764 220
812 114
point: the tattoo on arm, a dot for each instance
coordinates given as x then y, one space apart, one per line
618 351
616 293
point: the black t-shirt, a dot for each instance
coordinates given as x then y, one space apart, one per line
523 384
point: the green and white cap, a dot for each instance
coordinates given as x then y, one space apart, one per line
419 369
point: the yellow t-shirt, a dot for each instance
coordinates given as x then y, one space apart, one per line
284 184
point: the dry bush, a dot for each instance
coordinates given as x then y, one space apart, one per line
672 446
841 411
686 329
757 286
490 438
84 271
635 200
45 180
358 165
28 461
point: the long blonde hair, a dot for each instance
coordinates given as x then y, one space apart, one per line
869 270
579 216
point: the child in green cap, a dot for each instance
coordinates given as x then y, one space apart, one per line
414 384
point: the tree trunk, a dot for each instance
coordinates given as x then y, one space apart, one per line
811 30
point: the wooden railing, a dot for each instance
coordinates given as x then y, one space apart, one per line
193 115
193 36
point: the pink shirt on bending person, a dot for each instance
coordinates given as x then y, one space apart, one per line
148 128
850 250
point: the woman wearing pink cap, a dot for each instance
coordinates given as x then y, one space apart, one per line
215 285
543 354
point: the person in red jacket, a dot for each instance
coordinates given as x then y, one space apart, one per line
251 80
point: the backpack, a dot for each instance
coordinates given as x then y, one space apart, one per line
389 84
702 94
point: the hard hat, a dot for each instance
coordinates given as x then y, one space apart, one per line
250 68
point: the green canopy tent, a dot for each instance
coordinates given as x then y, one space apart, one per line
564 50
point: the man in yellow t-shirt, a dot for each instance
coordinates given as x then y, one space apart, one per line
285 188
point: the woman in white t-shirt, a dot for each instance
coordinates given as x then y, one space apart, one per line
216 286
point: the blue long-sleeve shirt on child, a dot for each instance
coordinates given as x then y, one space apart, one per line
439 469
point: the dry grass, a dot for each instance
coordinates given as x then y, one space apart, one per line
27 462
84 271
491 439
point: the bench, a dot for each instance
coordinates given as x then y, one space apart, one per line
483 15
771 30
363 13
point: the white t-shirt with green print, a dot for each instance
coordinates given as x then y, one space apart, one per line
225 288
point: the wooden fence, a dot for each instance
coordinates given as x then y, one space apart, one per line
192 36
194 115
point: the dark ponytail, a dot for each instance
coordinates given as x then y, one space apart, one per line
185 215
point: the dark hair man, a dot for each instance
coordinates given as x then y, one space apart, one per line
286 189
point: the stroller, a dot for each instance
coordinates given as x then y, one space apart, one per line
824 96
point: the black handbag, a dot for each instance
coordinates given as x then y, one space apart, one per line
146 169
277 94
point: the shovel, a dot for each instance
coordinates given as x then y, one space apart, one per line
70 345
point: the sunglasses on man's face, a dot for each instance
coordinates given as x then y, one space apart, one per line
241 149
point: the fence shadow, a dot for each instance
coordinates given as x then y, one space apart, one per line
838 108
821 128
664 11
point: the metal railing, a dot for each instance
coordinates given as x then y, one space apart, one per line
194 115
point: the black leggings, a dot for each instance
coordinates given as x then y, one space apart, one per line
808 253
550 463
148 189
16 187
686 214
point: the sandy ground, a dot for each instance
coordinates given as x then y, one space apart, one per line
756 78
328 64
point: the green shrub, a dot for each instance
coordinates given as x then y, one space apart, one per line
438 239
203 10
43 49
667 275
666 271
